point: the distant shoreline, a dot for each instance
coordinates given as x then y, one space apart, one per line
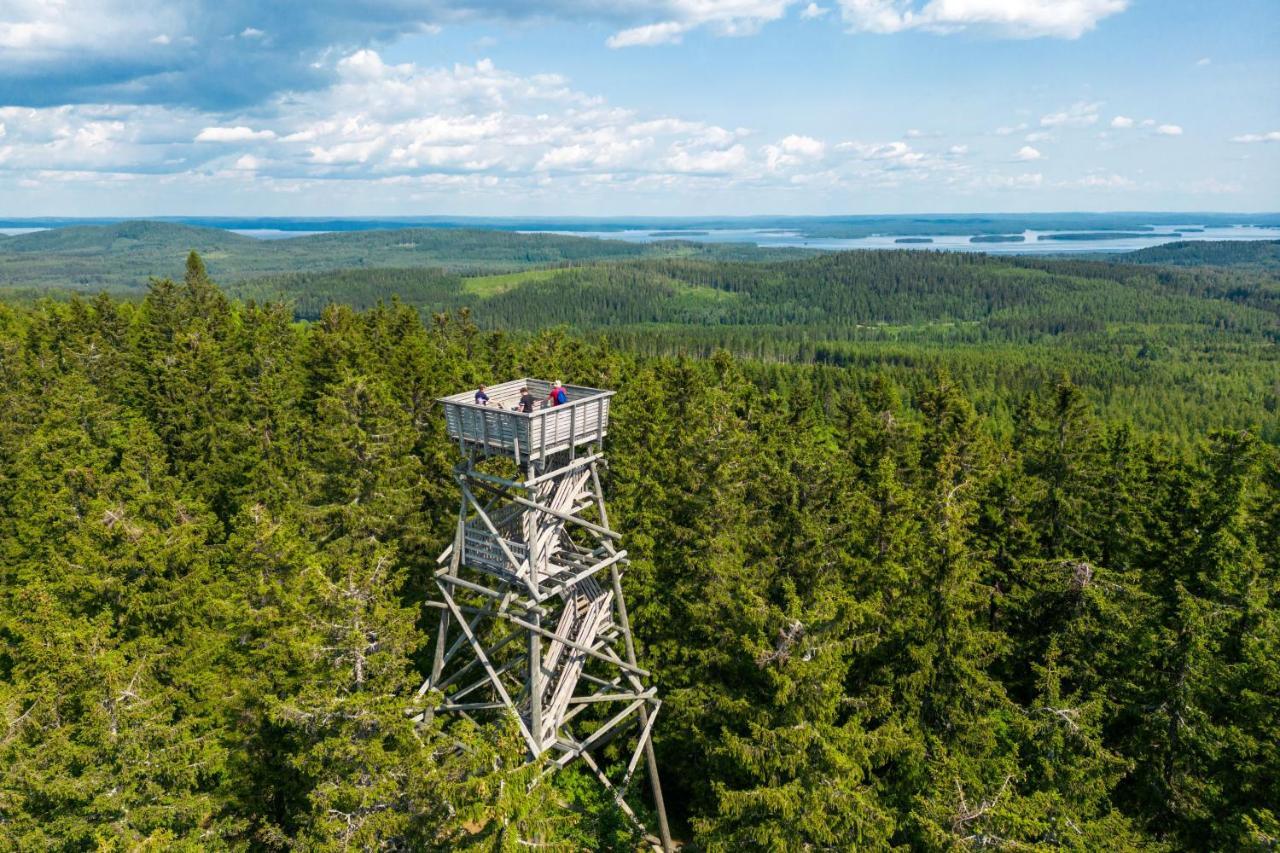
1038 234
1109 235
862 225
998 238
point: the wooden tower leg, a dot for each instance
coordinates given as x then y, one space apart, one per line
535 685
650 760
437 662
442 631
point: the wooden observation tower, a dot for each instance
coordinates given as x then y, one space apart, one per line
532 619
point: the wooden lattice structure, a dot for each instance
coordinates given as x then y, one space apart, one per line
532 618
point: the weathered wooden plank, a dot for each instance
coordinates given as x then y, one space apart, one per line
572 644
561 587
613 697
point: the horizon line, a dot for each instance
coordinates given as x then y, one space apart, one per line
617 216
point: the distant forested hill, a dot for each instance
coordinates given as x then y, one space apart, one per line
123 256
1178 349
1218 253
826 293
866 288
125 237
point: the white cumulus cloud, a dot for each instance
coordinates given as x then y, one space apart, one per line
675 18
1122 122
894 156
1027 153
1105 182
1079 114
1169 130
708 162
239 133
792 151
667 32
1272 136
1067 19
1025 181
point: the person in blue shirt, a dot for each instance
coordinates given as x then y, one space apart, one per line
482 399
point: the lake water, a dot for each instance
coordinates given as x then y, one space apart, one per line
1030 245
274 233
783 238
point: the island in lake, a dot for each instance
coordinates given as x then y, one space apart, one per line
998 238
914 240
1106 235
679 233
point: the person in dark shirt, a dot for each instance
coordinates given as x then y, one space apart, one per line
527 401
482 399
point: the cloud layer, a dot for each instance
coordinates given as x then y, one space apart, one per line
260 100
474 127
233 53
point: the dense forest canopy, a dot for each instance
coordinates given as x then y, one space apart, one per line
886 606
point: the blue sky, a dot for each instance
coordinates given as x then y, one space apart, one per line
615 107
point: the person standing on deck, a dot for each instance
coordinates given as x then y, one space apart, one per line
527 401
558 396
482 399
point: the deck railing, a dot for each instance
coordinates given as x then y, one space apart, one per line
498 428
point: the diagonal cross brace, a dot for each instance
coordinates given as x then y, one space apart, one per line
488 667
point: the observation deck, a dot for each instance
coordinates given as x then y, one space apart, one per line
500 429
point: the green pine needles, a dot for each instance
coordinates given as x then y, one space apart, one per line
883 614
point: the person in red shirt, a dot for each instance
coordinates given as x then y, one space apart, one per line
558 396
